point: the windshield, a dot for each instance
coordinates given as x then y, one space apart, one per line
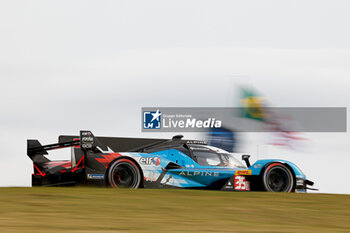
208 157
231 160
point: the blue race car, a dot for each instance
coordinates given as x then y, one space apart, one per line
159 163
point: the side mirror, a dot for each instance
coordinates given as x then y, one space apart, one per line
246 159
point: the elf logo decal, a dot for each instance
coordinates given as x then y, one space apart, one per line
150 161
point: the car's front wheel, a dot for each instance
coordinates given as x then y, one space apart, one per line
124 173
278 178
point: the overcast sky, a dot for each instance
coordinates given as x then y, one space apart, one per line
71 65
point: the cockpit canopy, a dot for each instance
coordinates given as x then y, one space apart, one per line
212 156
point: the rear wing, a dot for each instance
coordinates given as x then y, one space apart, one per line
86 141
36 151
119 144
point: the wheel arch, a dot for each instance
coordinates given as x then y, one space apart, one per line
282 163
125 157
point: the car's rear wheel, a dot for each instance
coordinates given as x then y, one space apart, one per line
124 173
278 178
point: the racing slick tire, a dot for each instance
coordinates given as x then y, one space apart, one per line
124 173
278 178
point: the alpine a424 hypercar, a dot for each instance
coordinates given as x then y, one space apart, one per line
159 163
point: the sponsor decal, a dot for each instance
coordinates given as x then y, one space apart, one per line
241 184
150 161
229 185
198 173
243 172
87 140
156 161
200 148
152 119
95 176
86 133
151 177
196 142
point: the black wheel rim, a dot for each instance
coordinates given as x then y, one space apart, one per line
278 180
124 175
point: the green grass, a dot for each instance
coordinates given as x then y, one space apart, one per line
145 210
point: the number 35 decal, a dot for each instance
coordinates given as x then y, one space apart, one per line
241 184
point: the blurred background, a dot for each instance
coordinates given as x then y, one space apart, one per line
71 65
